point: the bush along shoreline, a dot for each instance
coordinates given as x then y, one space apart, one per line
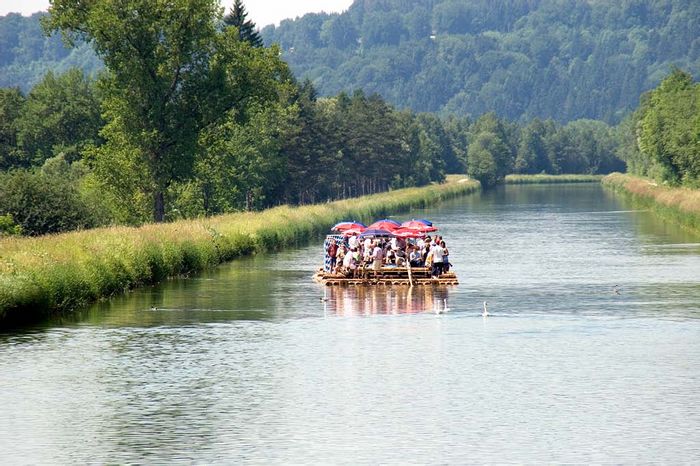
552 179
55 274
678 205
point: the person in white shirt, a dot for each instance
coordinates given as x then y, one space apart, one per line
438 253
377 258
353 242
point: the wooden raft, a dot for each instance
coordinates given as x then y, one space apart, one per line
386 276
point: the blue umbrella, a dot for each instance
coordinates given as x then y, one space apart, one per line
374 232
422 220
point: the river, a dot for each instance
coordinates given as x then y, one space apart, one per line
254 363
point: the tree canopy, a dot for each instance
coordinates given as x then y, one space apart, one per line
522 59
663 139
190 120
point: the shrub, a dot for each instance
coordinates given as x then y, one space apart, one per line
43 203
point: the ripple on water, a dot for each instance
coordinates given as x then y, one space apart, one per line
252 362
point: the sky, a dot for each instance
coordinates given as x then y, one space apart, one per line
262 12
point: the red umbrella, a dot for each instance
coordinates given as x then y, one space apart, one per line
418 226
353 231
383 225
408 233
344 226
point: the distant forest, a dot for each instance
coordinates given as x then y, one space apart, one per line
26 54
560 59
199 118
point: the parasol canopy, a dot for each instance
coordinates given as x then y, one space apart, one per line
385 224
422 220
408 233
418 226
353 231
376 232
343 226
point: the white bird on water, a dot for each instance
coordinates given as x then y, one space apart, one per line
485 312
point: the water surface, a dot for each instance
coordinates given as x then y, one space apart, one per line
253 362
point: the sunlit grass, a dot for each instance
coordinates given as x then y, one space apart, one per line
552 179
57 273
680 205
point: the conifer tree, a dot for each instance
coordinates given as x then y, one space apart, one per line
246 28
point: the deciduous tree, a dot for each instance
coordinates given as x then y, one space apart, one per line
157 54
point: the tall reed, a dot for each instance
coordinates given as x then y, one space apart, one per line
552 179
57 273
679 205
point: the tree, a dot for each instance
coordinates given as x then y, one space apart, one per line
41 203
339 32
11 104
246 28
500 145
669 129
243 165
61 114
482 159
253 88
310 151
157 54
532 151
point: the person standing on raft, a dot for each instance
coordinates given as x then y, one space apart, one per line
332 252
377 259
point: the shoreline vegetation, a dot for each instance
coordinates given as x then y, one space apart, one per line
552 179
679 205
53 274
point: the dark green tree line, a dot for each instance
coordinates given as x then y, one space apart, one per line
662 138
191 119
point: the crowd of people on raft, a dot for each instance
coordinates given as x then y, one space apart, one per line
355 256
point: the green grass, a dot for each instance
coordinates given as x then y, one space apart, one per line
54 274
678 205
552 179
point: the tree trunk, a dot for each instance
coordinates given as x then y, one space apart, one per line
158 207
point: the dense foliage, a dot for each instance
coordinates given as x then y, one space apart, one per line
26 54
560 59
663 136
198 120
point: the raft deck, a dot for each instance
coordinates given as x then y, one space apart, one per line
387 276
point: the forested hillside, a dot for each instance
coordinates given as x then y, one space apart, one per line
26 54
198 118
561 59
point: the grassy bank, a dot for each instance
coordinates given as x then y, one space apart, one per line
57 273
679 205
552 179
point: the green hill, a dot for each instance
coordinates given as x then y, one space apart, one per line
26 54
564 59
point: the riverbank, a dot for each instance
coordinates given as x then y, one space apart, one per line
679 205
58 273
552 179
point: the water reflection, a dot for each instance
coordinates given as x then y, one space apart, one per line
366 301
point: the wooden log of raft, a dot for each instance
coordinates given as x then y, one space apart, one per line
398 276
